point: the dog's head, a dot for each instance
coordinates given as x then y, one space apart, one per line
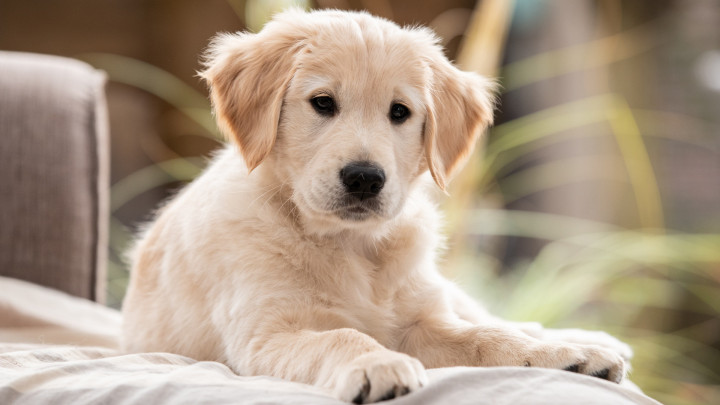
348 109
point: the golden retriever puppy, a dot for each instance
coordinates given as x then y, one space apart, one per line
307 249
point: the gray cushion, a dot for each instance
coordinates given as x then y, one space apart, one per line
53 173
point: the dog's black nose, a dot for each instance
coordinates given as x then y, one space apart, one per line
362 180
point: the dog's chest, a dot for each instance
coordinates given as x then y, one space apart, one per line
358 283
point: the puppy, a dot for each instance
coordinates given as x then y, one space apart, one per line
307 249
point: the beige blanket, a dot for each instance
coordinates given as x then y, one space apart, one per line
63 350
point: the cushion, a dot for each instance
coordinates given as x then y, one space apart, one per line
54 166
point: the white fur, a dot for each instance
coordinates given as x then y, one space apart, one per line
262 270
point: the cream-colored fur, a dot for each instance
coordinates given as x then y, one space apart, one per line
260 264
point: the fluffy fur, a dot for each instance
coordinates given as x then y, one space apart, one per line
263 264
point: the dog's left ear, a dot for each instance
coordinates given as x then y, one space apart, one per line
459 109
248 75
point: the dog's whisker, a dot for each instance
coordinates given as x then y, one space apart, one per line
277 191
270 189
374 243
294 207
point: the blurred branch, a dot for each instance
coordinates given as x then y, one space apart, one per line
258 12
584 256
678 127
638 164
482 48
149 177
601 52
532 225
554 174
611 108
144 76
510 137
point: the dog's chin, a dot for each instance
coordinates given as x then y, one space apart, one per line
358 213
367 217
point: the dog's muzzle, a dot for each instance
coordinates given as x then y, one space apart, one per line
362 180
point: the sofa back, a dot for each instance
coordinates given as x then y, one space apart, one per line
53 173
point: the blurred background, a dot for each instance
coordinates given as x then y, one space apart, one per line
594 201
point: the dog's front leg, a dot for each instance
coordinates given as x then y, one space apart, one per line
468 309
352 364
441 340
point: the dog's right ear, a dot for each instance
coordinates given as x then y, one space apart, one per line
459 111
248 75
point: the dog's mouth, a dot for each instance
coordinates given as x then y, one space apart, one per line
359 211
342 206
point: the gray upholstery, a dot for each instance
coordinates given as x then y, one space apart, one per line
53 173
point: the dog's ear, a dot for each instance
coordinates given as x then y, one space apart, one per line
459 108
248 75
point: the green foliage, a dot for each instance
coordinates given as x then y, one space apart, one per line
655 288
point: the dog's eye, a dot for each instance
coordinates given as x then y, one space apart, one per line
399 113
324 105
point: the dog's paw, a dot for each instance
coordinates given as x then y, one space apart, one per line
379 376
594 361
588 337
